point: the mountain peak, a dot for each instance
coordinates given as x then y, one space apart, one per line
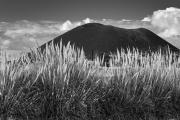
107 38
92 25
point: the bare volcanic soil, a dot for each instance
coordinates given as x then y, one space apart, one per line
105 38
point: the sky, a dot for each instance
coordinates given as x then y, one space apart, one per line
24 23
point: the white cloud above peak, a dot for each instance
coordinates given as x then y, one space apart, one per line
66 25
167 21
88 20
146 19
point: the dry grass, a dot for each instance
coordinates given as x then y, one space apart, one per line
60 84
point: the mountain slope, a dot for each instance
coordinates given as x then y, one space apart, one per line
106 38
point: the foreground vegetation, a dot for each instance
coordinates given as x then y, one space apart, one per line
61 85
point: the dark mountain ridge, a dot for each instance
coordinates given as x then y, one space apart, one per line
107 38
98 38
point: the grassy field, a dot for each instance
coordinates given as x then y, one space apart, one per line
63 85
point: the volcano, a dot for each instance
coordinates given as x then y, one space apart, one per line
106 38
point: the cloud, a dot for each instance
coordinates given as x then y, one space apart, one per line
29 29
129 24
5 42
32 39
67 26
146 19
78 23
169 33
88 20
125 20
167 21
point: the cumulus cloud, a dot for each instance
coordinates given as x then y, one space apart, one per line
169 33
66 25
146 19
167 21
78 24
88 20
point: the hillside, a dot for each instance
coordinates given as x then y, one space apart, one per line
106 38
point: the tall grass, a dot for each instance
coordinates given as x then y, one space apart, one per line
60 84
